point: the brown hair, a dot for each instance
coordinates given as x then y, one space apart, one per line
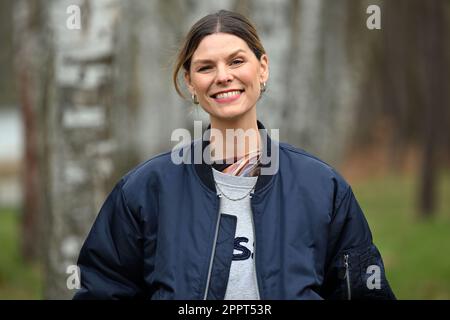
221 21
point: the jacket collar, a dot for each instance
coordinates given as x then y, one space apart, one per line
204 169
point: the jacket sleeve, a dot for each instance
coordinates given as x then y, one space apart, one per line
111 259
354 269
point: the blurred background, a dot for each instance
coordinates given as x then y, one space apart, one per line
81 107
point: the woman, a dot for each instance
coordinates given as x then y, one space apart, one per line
253 219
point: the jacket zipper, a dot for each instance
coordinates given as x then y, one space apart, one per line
347 277
212 253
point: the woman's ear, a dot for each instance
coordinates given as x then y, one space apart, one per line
187 80
264 68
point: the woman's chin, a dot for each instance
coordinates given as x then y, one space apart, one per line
229 112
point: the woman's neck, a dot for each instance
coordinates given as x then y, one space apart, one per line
234 138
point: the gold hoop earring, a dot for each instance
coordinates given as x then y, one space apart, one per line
194 99
263 87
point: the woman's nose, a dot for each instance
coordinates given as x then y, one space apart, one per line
223 75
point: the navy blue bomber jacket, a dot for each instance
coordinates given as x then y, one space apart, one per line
160 235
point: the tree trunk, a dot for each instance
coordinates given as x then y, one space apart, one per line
29 61
432 41
75 70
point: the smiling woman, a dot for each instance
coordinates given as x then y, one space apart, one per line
226 69
209 230
227 84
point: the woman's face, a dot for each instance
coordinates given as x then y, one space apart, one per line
226 76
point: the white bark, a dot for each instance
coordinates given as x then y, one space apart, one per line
75 70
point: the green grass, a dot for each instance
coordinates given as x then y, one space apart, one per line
416 251
18 280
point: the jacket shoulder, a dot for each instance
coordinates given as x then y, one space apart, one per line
150 174
305 160
313 172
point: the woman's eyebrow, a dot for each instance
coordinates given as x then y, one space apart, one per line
208 60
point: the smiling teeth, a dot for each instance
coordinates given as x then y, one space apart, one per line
227 94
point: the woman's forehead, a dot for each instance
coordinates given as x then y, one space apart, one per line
219 45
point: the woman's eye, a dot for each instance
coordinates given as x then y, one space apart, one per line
234 62
203 68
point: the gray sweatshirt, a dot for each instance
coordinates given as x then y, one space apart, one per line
242 283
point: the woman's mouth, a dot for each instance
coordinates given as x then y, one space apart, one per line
226 97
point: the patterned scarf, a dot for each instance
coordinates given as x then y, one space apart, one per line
246 166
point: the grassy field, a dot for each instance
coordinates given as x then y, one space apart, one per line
18 280
416 252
